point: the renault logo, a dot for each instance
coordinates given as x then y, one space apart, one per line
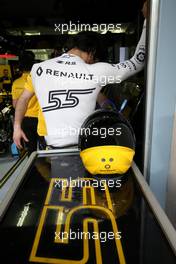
39 71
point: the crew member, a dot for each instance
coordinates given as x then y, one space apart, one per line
30 121
6 81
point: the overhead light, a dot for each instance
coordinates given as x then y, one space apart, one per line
118 30
7 56
34 33
23 215
72 32
103 32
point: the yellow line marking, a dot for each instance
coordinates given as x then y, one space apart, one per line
48 197
108 197
92 195
70 191
97 241
85 258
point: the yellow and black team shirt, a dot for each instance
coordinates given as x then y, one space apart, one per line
17 90
41 128
33 109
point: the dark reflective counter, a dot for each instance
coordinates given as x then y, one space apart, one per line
61 214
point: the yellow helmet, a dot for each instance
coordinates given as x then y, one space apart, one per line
106 143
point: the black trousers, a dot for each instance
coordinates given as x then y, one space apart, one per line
29 126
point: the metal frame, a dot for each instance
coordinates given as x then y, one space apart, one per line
12 170
42 153
171 187
151 67
157 210
13 188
